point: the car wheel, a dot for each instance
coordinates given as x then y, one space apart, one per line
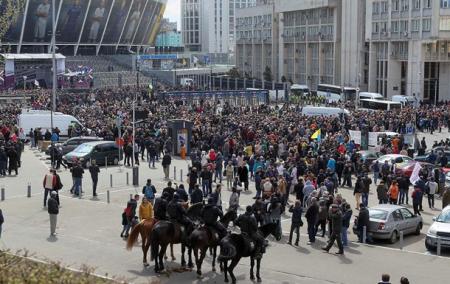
418 228
116 161
429 247
393 238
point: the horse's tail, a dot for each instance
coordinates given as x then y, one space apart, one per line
154 243
132 238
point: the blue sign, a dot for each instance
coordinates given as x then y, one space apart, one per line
158 57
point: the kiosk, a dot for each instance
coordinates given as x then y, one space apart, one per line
180 132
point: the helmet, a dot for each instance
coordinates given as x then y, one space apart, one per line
211 200
249 209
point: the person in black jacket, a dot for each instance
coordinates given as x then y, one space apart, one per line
53 211
166 161
311 216
182 193
170 191
243 176
160 207
336 229
2 220
248 225
346 216
94 170
196 195
296 221
363 221
210 214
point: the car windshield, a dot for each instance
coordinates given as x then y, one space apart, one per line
378 214
83 149
444 217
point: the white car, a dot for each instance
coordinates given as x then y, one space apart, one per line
439 230
398 159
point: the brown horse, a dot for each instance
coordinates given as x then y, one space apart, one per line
203 238
144 229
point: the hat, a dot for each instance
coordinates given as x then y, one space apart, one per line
53 193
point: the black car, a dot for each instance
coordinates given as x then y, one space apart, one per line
103 152
72 143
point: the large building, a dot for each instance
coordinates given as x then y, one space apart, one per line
303 42
409 48
208 26
82 27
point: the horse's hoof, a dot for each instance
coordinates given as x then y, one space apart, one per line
174 258
214 269
190 265
259 280
146 264
165 257
199 273
226 281
252 277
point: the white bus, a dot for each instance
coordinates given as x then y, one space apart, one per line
372 104
335 93
367 95
323 111
404 100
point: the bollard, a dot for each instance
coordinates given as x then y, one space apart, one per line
3 194
106 163
128 178
29 190
107 196
401 240
110 180
438 247
175 173
181 175
364 234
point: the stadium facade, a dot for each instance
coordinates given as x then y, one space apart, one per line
84 27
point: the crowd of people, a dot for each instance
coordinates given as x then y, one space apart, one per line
270 146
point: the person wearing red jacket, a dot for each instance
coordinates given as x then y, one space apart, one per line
52 182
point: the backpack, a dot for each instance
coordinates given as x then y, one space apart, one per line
128 211
149 192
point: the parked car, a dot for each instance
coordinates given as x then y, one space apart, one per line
425 158
407 168
368 156
100 151
440 229
72 143
398 159
387 221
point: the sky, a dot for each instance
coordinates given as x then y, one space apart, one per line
173 11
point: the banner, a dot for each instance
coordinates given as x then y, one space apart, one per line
182 139
415 174
373 139
355 135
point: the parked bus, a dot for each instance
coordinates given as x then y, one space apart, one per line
372 104
373 96
404 100
335 93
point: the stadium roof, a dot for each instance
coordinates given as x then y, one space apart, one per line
31 56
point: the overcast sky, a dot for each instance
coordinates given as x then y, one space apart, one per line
173 11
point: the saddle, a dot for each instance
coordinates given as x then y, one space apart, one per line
212 232
248 241
179 228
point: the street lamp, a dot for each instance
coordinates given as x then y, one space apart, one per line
24 82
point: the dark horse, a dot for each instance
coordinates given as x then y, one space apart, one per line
203 238
235 246
168 232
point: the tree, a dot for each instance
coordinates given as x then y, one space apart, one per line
234 73
267 75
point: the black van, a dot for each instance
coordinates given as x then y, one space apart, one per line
102 152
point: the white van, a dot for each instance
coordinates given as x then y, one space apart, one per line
404 100
372 96
42 119
323 111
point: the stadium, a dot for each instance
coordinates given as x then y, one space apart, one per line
83 27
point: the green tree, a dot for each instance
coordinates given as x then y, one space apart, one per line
234 73
267 75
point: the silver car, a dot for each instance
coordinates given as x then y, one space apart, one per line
439 230
387 221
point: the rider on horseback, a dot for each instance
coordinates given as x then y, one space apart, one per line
178 213
210 213
247 223
160 207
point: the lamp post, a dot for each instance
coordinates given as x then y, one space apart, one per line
25 82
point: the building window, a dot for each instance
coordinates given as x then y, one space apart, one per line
375 28
375 8
384 7
394 26
427 4
444 24
445 3
405 5
426 25
404 26
416 4
415 25
395 5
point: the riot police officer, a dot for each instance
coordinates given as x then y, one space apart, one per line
178 213
247 223
210 213
160 207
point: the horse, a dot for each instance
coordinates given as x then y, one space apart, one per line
235 246
203 238
167 232
144 228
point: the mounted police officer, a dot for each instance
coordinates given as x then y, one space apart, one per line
247 223
178 213
210 213
160 207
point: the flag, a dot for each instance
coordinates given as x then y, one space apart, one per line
316 135
415 174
